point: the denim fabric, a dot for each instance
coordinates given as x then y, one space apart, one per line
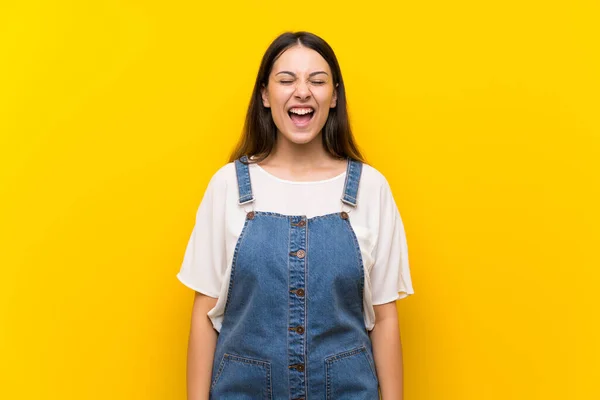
293 326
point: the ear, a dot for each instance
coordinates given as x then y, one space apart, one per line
265 96
334 97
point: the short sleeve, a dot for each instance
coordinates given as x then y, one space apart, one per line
204 261
390 274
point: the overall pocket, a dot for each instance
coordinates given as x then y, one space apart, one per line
242 378
351 375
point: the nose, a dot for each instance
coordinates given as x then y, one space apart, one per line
302 91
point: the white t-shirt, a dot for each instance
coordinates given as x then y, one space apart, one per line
206 266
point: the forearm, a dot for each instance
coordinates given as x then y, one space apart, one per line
387 352
201 349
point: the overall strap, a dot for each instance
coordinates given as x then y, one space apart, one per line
352 180
243 179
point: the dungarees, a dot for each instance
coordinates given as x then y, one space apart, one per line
293 326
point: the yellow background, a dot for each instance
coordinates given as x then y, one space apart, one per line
484 117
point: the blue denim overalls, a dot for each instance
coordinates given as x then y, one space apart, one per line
293 326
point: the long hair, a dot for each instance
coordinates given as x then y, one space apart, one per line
260 132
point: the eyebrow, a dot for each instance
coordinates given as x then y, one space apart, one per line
310 75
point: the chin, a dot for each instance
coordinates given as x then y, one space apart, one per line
300 138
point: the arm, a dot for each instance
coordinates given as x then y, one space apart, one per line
387 351
201 348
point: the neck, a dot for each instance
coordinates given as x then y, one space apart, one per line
292 155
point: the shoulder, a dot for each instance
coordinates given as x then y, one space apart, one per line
374 189
372 180
224 176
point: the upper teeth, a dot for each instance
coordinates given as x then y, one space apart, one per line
301 111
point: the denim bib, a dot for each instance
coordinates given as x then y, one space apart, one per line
293 326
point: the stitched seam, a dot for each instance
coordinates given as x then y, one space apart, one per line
269 386
328 381
244 182
345 354
248 184
279 215
349 187
358 255
234 262
239 174
305 299
287 334
347 175
353 177
246 360
227 357
371 366
336 357
218 375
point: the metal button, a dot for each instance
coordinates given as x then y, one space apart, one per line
250 215
300 223
344 215
298 367
300 253
298 329
300 292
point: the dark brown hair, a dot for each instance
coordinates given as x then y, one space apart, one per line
260 133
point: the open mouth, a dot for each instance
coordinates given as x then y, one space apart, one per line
301 116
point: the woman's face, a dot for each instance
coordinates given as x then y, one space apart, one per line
299 93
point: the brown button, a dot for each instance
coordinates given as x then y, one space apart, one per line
298 367
344 215
300 253
300 223
250 215
300 292
299 329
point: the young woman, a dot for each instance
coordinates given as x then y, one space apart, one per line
298 253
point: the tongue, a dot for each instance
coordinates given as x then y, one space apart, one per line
301 119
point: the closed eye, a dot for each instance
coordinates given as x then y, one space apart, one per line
313 82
